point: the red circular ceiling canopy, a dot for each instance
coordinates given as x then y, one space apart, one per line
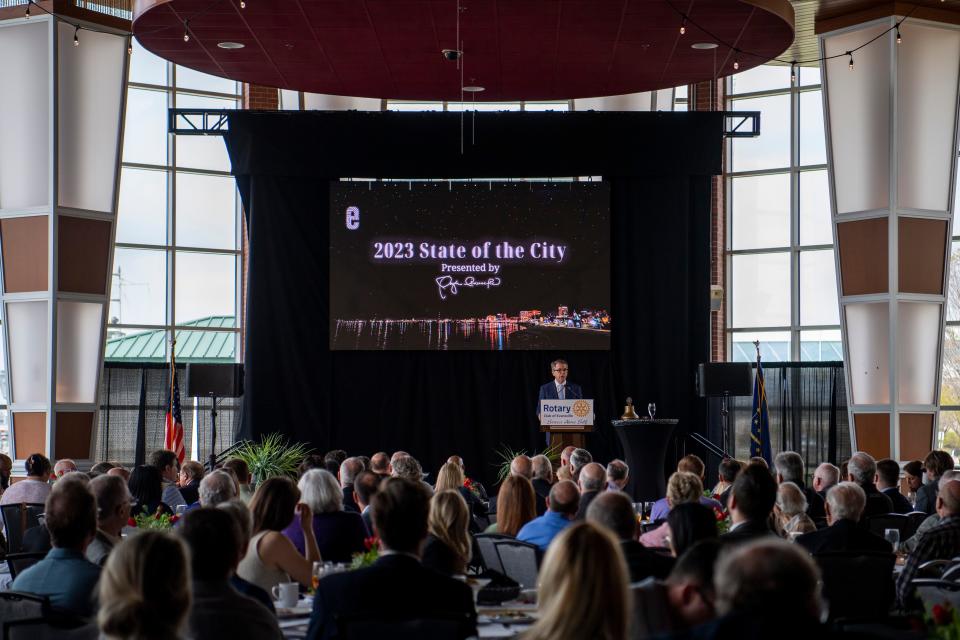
514 49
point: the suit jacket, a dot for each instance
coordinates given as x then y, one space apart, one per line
396 585
749 530
644 563
585 499
349 504
877 503
843 535
900 502
541 487
191 492
548 391
220 611
927 497
815 507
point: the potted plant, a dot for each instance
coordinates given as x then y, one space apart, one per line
272 456
505 455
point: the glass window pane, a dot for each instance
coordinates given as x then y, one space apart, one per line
546 106
135 344
203 152
813 147
948 433
774 346
142 216
138 294
956 203
190 79
680 106
818 289
761 290
205 286
762 78
466 105
5 433
146 67
821 345
771 149
206 346
414 106
145 132
3 379
760 211
815 224
950 383
953 295
206 211
681 92
809 75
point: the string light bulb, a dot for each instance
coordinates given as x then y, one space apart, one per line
186 32
850 53
683 25
243 5
76 37
899 39
736 60
130 48
26 14
793 72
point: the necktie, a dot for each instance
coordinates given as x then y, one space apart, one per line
562 391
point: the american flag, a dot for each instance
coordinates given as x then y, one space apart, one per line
173 427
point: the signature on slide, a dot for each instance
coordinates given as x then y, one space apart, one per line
447 284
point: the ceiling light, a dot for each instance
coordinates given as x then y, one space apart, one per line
231 45
473 89
704 45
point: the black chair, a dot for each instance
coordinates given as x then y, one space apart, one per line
486 543
51 627
857 585
17 518
520 560
17 562
916 519
15 605
441 626
899 521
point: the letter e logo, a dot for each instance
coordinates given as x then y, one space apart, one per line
353 218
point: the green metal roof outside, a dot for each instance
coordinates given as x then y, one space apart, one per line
192 346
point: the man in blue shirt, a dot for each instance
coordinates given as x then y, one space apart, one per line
65 575
562 505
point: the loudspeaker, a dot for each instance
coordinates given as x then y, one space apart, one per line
724 379
219 380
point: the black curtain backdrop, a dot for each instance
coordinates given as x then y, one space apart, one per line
434 404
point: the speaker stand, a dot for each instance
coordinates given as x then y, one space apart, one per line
213 434
725 416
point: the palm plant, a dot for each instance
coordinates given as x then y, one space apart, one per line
505 455
272 456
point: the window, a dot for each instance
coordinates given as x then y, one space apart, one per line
781 275
177 258
948 431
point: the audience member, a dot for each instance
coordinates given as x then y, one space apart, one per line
888 482
562 505
563 473
790 467
727 472
397 584
336 454
583 586
219 486
312 461
448 546
271 557
6 470
407 467
241 514
751 502
113 510
521 466
825 477
349 469
682 487
684 600
760 460
690 522
242 471
145 589
910 544
451 478
63 467
380 463
790 511
913 474
593 477
364 487
618 474
843 469
845 504
339 534
191 473
862 469
565 455
100 469
65 575
935 464
120 472
516 506
146 487
614 511
169 466
942 542
35 488
219 610
396 455
690 464
542 475
578 460
364 463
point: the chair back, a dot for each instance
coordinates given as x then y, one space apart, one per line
17 562
857 584
931 592
520 560
488 551
441 626
916 519
17 518
899 521
15 605
58 627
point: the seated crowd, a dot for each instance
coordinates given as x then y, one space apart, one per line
738 560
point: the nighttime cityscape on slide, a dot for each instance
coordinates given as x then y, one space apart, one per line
482 266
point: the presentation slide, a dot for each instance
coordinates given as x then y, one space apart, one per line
479 266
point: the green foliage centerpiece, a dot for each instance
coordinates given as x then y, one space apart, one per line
505 455
272 456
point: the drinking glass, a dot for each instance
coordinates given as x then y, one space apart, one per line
316 574
652 410
892 536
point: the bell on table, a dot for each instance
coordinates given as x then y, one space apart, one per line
628 412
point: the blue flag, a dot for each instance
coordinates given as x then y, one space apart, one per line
760 426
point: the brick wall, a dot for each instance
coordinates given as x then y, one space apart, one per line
708 96
257 97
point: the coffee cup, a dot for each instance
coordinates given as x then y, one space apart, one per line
287 594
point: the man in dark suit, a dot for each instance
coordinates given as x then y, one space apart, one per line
397 586
349 469
934 465
559 388
364 487
888 482
542 479
845 503
591 481
862 469
751 502
790 468
614 511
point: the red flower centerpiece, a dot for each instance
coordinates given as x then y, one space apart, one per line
367 558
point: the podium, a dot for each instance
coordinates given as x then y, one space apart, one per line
567 421
645 447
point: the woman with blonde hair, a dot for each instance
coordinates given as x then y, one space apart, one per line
451 477
516 506
448 546
584 591
145 589
683 486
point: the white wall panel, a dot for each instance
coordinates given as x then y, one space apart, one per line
918 339
27 326
78 350
868 334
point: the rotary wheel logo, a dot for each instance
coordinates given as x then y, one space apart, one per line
581 408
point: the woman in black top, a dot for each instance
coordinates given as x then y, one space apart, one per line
447 549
